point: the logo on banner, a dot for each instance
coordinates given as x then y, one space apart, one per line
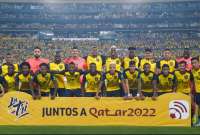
17 107
179 109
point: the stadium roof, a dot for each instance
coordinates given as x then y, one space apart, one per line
90 1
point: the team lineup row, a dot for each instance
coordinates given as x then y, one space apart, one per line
140 78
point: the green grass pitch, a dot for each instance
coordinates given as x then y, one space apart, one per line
96 130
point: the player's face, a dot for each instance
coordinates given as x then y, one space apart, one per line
195 64
93 68
131 53
11 70
182 67
165 70
58 58
25 69
37 53
167 54
112 68
147 68
9 58
148 55
71 67
43 69
75 52
113 52
132 68
94 51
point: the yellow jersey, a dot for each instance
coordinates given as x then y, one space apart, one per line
151 62
183 81
44 81
117 61
97 60
4 68
24 81
59 77
170 63
165 83
127 60
112 82
92 81
196 75
73 80
147 81
132 78
10 81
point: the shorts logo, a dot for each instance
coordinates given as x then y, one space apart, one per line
179 109
18 107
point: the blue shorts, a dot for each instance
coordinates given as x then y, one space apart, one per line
197 98
147 94
72 93
60 92
45 94
116 93
89 94
133 92
27 91
161 93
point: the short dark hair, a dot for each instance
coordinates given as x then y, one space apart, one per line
131 48
131 63
165 65
74 47
167 49
44 64
37 47
24 64
195 58
183 62
146 64
148 50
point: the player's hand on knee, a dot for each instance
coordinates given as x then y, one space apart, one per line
53 97
97 97
142 97
154 97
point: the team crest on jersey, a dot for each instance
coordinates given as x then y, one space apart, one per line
96 79
117 62
97 59
150 78
186 77
169 79
171 63
61 66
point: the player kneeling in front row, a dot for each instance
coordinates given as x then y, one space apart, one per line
24 78
91 84
165 81
113 79
72 81
131 81
146 83
43 80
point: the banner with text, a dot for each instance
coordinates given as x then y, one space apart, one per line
18 108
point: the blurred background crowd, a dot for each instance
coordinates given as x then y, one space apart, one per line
155 25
